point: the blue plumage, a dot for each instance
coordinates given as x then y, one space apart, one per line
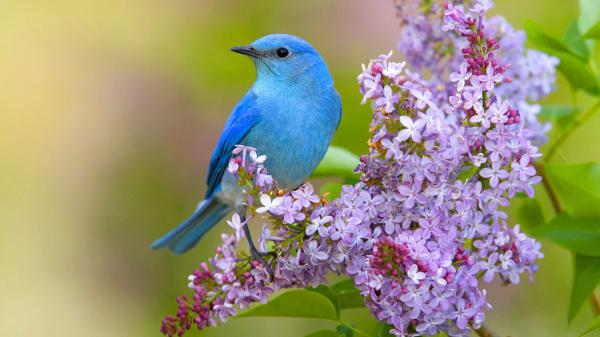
244 116
290 114
185 236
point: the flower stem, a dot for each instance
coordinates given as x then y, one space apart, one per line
549 190
484 331
569 131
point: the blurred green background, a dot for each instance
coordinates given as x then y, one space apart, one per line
110 110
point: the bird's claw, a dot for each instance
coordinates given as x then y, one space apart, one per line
258 256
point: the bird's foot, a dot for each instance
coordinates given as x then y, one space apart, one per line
255 255
260 257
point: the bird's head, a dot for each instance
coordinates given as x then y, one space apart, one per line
285 57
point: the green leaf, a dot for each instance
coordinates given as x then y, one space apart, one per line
344 285
577 187
467 173
543 41
296 303
351 300
589 14
324 333
578 73
594 326
332 296
334 190
559 115
575 42
383 330
345 331
556 112
349 296
594 32
587 278
338 162
529 213
580 236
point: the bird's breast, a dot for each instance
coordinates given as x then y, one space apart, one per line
294 133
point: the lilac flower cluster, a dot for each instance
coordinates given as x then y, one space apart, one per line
233 280
425 227
429 50
441 166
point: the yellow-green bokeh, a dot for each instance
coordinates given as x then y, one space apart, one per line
109 112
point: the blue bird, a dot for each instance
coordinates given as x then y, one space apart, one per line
289 114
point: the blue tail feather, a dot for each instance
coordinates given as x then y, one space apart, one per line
189 232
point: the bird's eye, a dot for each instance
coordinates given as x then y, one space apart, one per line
282 53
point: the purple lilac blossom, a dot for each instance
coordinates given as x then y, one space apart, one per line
413 261
232 280
428 49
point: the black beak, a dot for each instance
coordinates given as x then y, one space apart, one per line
247 50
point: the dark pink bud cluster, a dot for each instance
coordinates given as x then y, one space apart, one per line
202 274
479 55
199 308
477 146
178 325
388 257
377 69
514 117
462 256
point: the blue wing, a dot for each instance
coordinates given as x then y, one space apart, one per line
243 118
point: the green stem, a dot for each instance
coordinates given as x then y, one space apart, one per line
569 131
484 99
